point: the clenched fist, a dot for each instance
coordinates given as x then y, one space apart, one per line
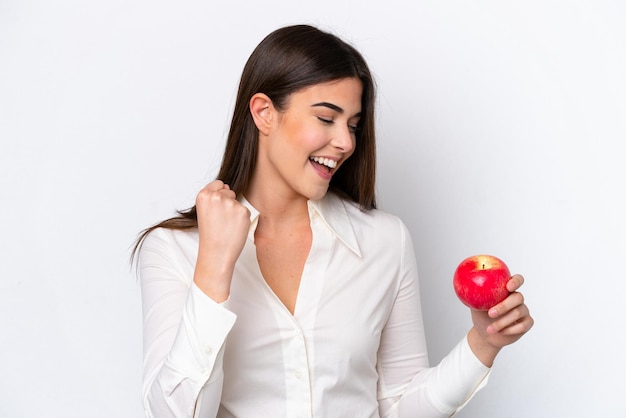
223 225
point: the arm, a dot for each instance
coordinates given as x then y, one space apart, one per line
408 387
183 332
185 322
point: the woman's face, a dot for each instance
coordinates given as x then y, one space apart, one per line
311 138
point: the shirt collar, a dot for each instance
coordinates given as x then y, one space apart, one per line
254 217
332 211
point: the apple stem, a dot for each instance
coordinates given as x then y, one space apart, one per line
483 266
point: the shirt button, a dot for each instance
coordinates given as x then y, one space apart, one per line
209 350
298 374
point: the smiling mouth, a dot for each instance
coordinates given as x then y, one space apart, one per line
324 162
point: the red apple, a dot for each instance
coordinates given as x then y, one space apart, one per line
480 281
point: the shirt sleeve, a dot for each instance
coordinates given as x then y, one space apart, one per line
408 387
183 334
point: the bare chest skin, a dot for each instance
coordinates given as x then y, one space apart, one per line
281 258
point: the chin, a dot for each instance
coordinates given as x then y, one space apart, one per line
316 194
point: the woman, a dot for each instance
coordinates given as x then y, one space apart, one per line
284 292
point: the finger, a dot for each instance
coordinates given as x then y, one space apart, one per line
214 186
214 192
519 327
227 193
515 283
511 301
518 314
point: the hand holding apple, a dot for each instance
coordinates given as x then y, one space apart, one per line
504 323
483 282
480 281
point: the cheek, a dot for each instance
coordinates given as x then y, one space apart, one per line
305 138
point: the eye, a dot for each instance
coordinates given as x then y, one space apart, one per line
325 120
355 125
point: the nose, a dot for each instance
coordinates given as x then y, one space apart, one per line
344 140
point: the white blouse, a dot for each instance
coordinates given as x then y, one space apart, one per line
354 347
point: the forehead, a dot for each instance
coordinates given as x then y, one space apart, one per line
345 93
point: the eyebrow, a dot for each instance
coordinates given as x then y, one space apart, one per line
331 106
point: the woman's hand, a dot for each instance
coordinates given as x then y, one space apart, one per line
501 325
223 225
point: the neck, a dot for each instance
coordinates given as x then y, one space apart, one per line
276 211
279 206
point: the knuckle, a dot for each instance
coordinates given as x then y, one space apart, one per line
212 198
243 211
202 196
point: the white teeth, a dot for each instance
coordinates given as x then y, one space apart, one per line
326 161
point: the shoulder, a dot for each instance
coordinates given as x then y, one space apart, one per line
371 227
169 245
383 240
372 219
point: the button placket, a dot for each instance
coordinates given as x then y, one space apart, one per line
298 382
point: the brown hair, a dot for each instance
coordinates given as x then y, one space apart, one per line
286 61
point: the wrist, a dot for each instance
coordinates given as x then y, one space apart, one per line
219 293
482 349
215 283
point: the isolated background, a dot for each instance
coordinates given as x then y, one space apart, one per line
500 126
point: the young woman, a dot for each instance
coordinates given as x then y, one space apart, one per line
284 292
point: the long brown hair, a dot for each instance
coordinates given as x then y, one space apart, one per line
286 61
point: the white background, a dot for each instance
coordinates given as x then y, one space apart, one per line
499 124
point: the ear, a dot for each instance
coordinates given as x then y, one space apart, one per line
262 110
